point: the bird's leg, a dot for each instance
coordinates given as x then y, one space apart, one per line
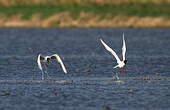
46 65
117 77
123 70
48 77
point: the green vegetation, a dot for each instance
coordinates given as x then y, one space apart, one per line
85 13
124 9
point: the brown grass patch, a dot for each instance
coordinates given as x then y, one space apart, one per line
85 20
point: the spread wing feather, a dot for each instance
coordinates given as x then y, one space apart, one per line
57 57
123 48
110 50
39 62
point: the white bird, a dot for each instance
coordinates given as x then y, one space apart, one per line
120 63
47 59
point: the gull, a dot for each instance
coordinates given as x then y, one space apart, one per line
121 64
47 59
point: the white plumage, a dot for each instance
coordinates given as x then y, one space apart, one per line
47 59
120 63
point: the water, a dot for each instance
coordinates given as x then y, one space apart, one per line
89 84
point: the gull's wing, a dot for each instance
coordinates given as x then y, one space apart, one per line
110 50
57 57
123 48
39 61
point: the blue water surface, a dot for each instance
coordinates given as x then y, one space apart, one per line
89 84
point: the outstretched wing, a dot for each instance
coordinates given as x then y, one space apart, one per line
110 50
57 57
39 61
123 48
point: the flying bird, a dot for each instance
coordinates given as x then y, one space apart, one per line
121 64
47 59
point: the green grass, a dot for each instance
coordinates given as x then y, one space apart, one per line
126 9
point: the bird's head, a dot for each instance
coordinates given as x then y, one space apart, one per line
48 60
125 61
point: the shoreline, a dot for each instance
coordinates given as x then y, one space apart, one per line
85 20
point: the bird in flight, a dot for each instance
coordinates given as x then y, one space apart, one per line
47 59
121 64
